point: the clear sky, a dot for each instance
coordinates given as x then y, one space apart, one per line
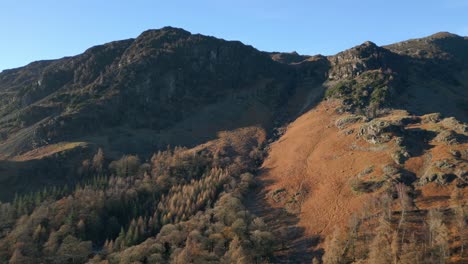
46 29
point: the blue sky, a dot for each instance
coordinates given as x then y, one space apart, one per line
46 29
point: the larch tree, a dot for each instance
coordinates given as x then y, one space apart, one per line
438 234
457 202
380 249
236 253
460 222
411 252
98 161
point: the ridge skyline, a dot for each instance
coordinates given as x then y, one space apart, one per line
436 34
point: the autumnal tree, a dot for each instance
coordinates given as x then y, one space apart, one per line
380 249
438 234
457 202
460 223
73 250
39 233
237 254
411 252
98 161
50 247
404 201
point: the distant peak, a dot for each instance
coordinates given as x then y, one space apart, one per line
165 31
366 48
173 29
368 44
444 34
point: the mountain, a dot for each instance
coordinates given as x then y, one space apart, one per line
303 145
166 87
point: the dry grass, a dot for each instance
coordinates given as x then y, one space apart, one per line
314 153
48 150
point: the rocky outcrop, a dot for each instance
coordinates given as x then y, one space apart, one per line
353 62
445 171
379 131
345 121
288 57
455 125
449 137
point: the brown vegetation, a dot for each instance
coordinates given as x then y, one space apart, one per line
346 174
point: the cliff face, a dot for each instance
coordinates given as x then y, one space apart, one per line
357 60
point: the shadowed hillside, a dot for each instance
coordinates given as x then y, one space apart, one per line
166 87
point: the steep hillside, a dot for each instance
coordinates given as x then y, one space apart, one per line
182 148
153 82
368 76
330 169
334 164
437 76
166 87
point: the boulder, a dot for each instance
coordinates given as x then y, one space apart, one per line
343 122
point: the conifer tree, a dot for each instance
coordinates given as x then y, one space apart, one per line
98 161
17 257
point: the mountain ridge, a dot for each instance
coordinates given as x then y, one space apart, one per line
136 87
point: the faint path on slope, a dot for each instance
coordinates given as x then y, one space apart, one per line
292 244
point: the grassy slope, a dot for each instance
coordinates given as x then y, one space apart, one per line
316 154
